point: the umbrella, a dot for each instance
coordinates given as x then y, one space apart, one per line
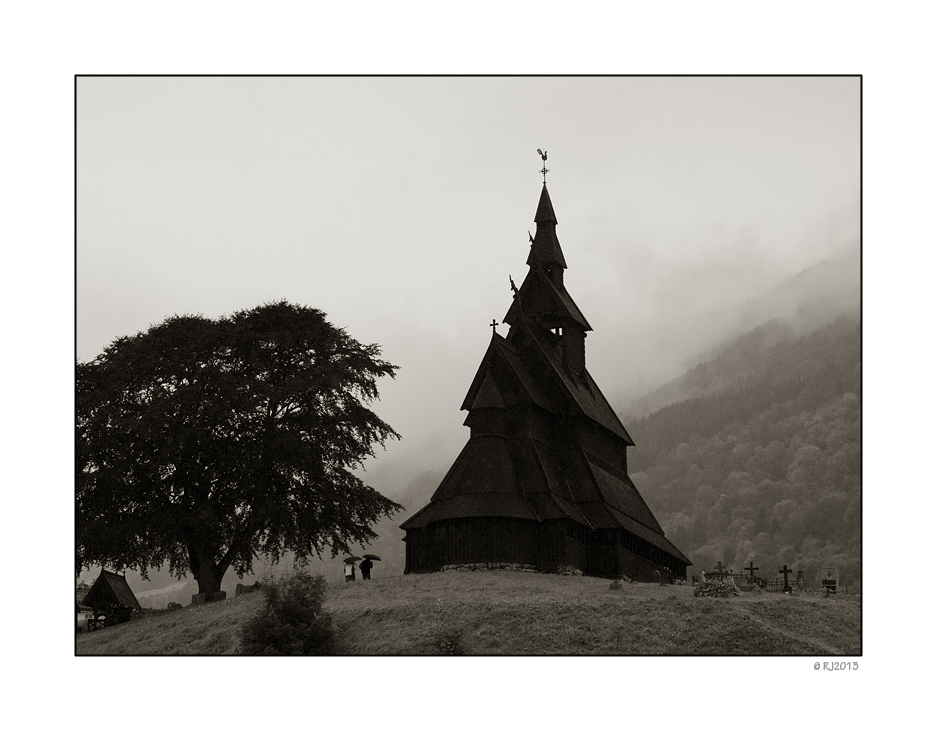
352 559
372 557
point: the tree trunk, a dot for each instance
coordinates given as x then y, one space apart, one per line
209 579
207 573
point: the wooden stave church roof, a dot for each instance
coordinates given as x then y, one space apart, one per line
584 490
518 477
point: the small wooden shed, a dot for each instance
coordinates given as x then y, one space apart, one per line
111 599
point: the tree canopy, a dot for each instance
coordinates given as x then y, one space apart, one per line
204 443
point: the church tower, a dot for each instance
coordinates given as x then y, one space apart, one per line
543 481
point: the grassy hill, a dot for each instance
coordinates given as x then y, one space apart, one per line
508 613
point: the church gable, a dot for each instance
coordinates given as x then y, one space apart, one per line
488 396
546 302
510 376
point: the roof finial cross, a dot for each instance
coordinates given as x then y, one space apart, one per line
543 155
494 326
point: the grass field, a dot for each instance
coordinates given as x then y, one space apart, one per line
513 613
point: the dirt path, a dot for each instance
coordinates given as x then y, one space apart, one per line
826 649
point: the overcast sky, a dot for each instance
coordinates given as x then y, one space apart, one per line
400 206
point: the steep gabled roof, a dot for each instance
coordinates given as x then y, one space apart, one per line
504 358
110 588
563 304
582 390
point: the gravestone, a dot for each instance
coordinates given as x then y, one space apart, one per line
786 571
829 579
800 579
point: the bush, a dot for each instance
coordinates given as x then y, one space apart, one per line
716 587
292 621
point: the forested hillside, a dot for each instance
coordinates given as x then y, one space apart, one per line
764 464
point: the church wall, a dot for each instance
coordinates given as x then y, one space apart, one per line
574 348
634 566
577 554
552 548
471 540
548 545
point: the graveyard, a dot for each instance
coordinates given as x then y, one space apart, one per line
520 613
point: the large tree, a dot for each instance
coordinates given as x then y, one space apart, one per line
205 443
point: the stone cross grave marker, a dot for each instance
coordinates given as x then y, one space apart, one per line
785 571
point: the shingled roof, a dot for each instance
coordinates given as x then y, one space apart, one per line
582 390
503 477
545 446
111 588
563 302
502 353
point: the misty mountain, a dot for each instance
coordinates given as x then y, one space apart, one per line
763 464
797 306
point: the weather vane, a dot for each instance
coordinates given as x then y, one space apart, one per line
543 155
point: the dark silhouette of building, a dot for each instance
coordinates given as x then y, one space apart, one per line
543 480
111 598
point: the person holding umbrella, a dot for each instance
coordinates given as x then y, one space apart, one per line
350 568
367 564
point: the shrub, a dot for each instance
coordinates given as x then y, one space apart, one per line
716 587
292 621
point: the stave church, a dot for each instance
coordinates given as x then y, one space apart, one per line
542 482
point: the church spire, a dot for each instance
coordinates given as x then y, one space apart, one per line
545 212
545 246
